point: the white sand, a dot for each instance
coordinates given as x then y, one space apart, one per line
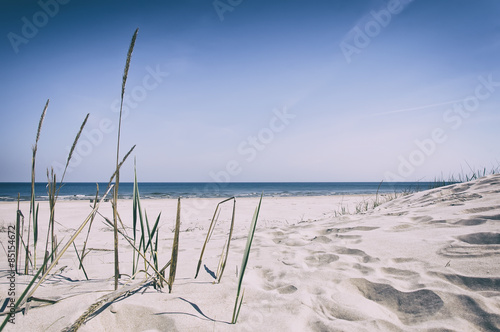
427 261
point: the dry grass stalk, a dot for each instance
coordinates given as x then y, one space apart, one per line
32 214
73 148
222 266
211 230
105 300
117 180
90 227
66 246
160 273
54 193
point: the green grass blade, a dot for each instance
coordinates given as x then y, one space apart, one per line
175 247
32 198
223 266
153 231
35 233
117 172
244 261
237 304
19 223
90 226
209 233
81 261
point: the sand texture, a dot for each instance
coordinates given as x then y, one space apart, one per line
428 261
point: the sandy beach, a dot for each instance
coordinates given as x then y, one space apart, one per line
428 261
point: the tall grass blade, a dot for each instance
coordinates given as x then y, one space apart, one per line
117 179
19 225
35 233
210 231
90 227
156 247
153 231
226 254
32 198
175 247
80 259
120 165
244 262
73 149
135 203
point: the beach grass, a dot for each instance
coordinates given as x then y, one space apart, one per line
63 250
175 247
473 174
225 249
33 215
117 178
147 232
19 232
145 245
83 254
240 293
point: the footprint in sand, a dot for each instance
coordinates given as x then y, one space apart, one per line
470 222
471 283
364 257
410 307
400 274
485 238
474 245
320 258
482 209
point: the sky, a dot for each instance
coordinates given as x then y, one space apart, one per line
239 90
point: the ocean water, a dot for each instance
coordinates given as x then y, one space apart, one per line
9 191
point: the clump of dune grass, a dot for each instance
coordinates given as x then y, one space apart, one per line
225 248
66 246
240 293
147 233
28 292
30 289
473 174
117 179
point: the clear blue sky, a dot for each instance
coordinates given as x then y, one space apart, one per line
356 86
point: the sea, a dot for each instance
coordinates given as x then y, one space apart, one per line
10 191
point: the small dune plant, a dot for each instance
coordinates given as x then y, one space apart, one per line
244 262
225 248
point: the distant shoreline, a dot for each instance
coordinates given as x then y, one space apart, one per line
159 190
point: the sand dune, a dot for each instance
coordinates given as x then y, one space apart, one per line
426 261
